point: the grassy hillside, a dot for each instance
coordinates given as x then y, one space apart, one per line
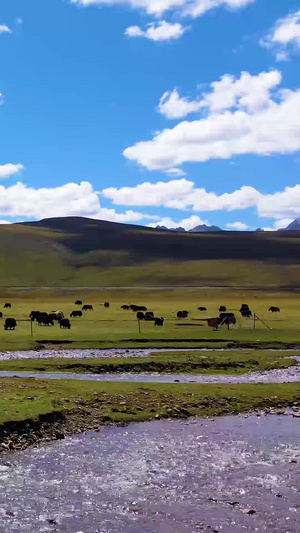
84 252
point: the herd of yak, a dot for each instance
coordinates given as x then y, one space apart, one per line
48 319
142 313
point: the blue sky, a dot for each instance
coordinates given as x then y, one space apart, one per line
82 131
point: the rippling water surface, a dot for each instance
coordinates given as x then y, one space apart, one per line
164 476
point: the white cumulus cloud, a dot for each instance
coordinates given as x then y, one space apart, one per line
284 36
172 106
182 194
167 194
192 8
186 223
240 226
250 93
9 169
284 206
71 199
160 31
283 223
262 120
4 29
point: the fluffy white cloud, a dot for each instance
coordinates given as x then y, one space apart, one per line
286 33
182 194
9 170
167 194
2 222
258 121
186 223
285 204
160 31
175 172
240 226
192 8
283 223
172 106
4 29
250 93
71 199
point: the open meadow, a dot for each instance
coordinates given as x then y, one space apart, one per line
49 410
114 327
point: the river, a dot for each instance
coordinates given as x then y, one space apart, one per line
284 375
227 475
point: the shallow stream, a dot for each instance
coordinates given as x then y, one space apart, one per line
226 475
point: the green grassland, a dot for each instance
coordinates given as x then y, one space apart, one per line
32 411
206 362
113 327
83 252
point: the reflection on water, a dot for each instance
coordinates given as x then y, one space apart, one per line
164 476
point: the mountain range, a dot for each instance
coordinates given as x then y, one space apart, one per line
294 226
203 228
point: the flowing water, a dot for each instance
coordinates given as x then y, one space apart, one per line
226 475
286 375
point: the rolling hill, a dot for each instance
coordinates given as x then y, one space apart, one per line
76 251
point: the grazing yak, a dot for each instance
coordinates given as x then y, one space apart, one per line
76 314
223 319
136 308
65 323
106 304
202 309
149 313
213 323
246 313
10 323
140 315
159 321
274 309
244 306
148 318
222 309
45 320
57 315
34 314
125 307
7 306
1 315
87 308
182 314
78 302
227 318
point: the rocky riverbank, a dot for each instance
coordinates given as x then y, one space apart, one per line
134 403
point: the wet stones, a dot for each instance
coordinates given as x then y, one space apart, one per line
250 512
